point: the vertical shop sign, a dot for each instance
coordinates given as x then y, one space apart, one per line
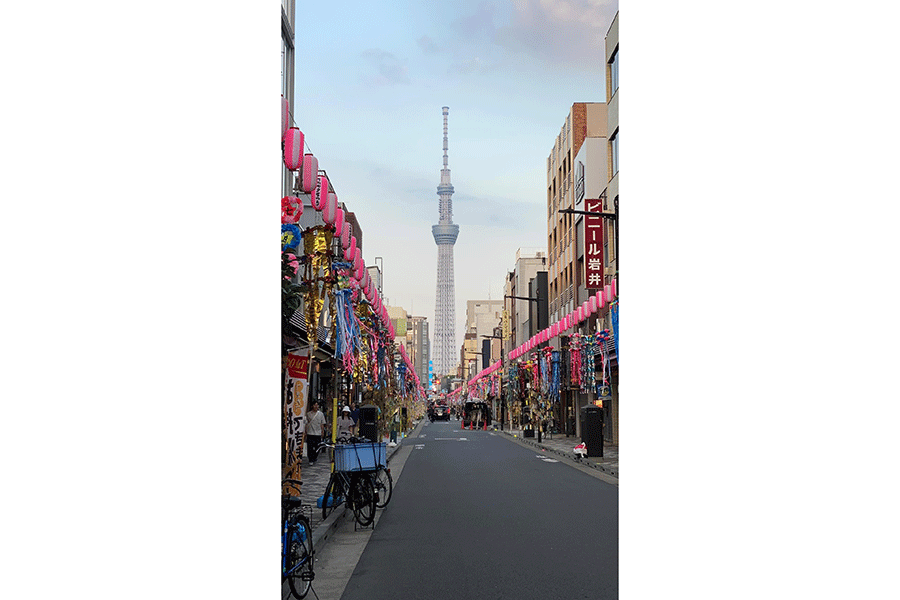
296 391
593 245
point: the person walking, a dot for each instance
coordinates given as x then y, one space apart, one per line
315 429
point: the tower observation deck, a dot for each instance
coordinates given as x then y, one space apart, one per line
445 234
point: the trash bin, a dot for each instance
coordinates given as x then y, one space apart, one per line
368 422
592 429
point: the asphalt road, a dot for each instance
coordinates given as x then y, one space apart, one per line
475 515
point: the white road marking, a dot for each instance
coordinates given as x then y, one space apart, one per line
550 460
420 446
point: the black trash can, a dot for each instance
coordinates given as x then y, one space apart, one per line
592 429
368 423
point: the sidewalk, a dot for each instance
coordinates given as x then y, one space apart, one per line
315 478
561 445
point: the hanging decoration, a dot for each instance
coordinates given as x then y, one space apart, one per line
293 149
290 236
291 209
309 173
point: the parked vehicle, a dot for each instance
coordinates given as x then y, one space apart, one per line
476 413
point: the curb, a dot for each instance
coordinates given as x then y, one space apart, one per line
610 472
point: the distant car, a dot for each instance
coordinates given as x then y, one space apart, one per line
476 413
440 412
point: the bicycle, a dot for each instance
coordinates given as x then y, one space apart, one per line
356 486
297 555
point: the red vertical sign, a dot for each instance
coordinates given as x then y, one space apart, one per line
593 246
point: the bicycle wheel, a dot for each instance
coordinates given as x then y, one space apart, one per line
332 492
384 486
363 495
300 557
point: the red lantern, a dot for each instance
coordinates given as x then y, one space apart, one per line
293 149
309 173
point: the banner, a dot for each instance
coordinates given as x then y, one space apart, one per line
296 391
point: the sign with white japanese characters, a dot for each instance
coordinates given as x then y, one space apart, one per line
593 245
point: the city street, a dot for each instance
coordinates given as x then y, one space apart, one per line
477 515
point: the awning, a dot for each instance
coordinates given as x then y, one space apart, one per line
298 323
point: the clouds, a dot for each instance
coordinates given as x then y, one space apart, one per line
389 70
428 45
558 30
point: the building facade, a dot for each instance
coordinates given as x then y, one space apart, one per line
574 172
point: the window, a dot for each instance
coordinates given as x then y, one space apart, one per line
614 151
614 72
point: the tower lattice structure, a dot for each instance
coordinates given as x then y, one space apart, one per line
445 234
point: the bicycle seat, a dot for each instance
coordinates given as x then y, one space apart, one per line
290 501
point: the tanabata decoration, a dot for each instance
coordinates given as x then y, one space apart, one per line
320 196
316 244
345 235
291 209
293 149
329 213
290 236
308 176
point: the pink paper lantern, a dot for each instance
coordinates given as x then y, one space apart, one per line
339 221
285 116
349 256
601 300
293 149
592 304
607 291
391 329
613 288
329 213
579 312
554 330
309 173
320 196
345 235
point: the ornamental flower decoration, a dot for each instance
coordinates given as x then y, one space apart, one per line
290 236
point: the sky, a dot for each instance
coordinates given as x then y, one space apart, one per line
371 82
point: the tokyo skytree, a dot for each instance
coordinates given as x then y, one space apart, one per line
445 233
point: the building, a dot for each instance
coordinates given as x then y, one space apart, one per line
528 264
610 198
418 347
287 80
482 317
575 170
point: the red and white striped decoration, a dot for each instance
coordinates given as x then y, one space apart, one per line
320 196
293 149
345 235
607 291
592 304
309 173
330 211
339 221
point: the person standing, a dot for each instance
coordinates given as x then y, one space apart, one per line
315 429
346 426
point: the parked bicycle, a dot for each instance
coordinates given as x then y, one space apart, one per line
297 556
356 487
